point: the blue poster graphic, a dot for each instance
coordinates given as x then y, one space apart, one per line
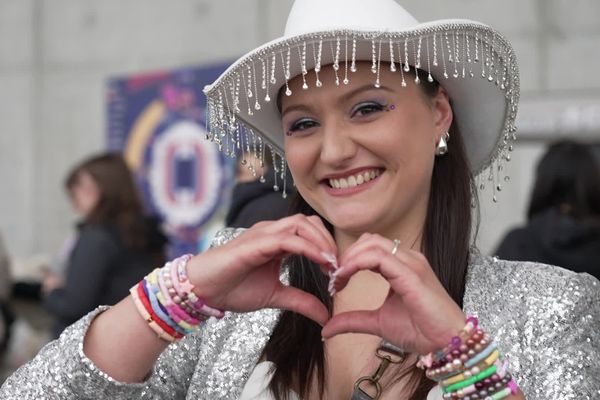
157 120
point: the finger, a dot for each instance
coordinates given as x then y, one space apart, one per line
318 223
312 228
282 245
364 321
237 258
374 242
294 299
300 225
397 273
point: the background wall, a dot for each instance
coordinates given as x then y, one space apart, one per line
55 57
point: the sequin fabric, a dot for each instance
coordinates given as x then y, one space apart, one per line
546 320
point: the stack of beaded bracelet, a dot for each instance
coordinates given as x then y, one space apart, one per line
166 300
470 367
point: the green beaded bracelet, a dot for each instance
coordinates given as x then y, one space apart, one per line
480 376
501 394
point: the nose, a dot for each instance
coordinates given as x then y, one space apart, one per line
337 146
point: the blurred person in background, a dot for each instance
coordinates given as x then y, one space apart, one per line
116 244
563 226
6 315
253 198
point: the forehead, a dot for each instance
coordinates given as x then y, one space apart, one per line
363 79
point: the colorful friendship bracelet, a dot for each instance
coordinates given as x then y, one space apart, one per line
486 352
146 303
166 301
175 311
480 376
470 367
148 318
473 371
455 359
481 389
158 308
192 299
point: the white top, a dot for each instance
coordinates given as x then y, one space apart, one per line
256 387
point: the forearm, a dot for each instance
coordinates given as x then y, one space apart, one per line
61 371
121 343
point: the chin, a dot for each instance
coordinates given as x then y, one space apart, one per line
355 222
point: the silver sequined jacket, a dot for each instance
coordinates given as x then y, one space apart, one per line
546 319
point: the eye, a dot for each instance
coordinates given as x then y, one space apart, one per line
302 124
366 108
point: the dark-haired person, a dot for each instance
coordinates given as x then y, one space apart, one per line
116 244
385 299
6 314
563 220
253 198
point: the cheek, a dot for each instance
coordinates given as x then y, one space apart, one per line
413 133
299 159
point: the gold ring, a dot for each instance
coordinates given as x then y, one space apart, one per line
396 245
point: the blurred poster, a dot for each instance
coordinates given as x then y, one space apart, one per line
157 120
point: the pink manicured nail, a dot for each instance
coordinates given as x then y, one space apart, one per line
331 285
331 259
338 271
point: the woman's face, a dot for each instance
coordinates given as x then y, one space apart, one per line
362 156
85 194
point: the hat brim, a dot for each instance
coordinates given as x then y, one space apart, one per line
472 61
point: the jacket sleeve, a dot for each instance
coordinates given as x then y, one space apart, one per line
89 265
567 355
61 370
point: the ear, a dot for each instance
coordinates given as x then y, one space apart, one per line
442 111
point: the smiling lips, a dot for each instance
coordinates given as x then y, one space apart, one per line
354 180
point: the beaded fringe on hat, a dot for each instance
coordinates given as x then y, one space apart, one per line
461 51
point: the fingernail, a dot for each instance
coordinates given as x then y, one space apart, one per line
331 259
331 287
335 273
332 292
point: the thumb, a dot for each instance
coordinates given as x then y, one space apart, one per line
365 321
294 299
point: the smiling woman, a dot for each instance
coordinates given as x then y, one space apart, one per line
370 289
336 135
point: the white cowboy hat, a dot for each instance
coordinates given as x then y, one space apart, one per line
473 62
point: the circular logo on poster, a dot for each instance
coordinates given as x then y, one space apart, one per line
186 174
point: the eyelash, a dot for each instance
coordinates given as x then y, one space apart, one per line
370 107
299 125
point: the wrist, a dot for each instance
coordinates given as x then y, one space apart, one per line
471 364
166 300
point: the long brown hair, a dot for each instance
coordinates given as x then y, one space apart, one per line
295 346
119 200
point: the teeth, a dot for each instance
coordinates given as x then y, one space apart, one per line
353 180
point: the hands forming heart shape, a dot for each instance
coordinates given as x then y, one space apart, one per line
417 314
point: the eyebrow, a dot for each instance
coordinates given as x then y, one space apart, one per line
352 93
